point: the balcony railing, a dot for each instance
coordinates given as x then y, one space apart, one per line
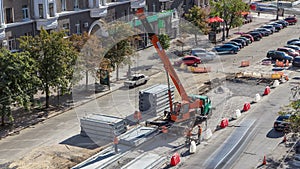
50 23
98 12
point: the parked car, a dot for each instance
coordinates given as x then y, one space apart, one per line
250 37
296 61
292 40
256 35
297 43
226 48
289 51
279 55
248 41
136 80
235 43
282 22
241 41
263 31
188 60
203 54
296 48
282 123
270 27
291 20
277 26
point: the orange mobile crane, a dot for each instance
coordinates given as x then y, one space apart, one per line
189 108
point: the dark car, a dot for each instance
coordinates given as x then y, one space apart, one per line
283 23
248 41
241 41
289 51
279 55
297 43
188 60
277 26
296 48
256 35
292 40
296 61
282 123
235 43
226 48
264 31
291 20
250 37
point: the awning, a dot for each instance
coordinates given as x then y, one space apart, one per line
215 19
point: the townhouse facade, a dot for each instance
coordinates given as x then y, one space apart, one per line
27 17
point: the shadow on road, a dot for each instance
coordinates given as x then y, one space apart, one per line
84 142
274 134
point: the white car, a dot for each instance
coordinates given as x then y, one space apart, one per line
136 80
203 54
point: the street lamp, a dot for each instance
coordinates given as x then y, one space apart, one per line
223 36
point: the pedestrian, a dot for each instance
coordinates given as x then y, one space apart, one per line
199 133
188 136
258 13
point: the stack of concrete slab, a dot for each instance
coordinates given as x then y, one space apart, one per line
155 99
147 161
137 136
98 126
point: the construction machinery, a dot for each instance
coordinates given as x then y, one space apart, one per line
191 108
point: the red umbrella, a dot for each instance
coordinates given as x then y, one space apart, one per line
215 19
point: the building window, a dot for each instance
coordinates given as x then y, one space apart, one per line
63 5
9 15
78 29
76 4
51 9
12 44
41 11
66 27
25 12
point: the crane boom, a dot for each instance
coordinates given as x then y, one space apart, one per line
189 107
161 53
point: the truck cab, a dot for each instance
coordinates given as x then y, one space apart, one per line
206 102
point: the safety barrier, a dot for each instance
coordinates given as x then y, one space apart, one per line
193 147
207 134
276 83
257 97
175 159
224 123
267 90
200 69
237 114
245 63
246 106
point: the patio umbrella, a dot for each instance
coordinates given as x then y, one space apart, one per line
215 19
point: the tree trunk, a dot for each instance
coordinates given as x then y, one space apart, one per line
117 72
227 32
196 39
47 96
86 79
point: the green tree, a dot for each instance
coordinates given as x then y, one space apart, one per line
164 41
294 109
230 12
55 58
198 22
18 79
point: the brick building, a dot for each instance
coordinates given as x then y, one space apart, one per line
27 17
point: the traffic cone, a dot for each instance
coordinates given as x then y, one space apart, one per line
264 161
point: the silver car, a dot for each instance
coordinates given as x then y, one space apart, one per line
203 54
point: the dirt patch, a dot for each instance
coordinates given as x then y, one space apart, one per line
52 157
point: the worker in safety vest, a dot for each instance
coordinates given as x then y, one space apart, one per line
199 133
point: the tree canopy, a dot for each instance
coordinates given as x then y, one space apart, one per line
164 41
18 80
55 58
229 11
197 22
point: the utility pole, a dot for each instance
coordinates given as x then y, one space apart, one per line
277 11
